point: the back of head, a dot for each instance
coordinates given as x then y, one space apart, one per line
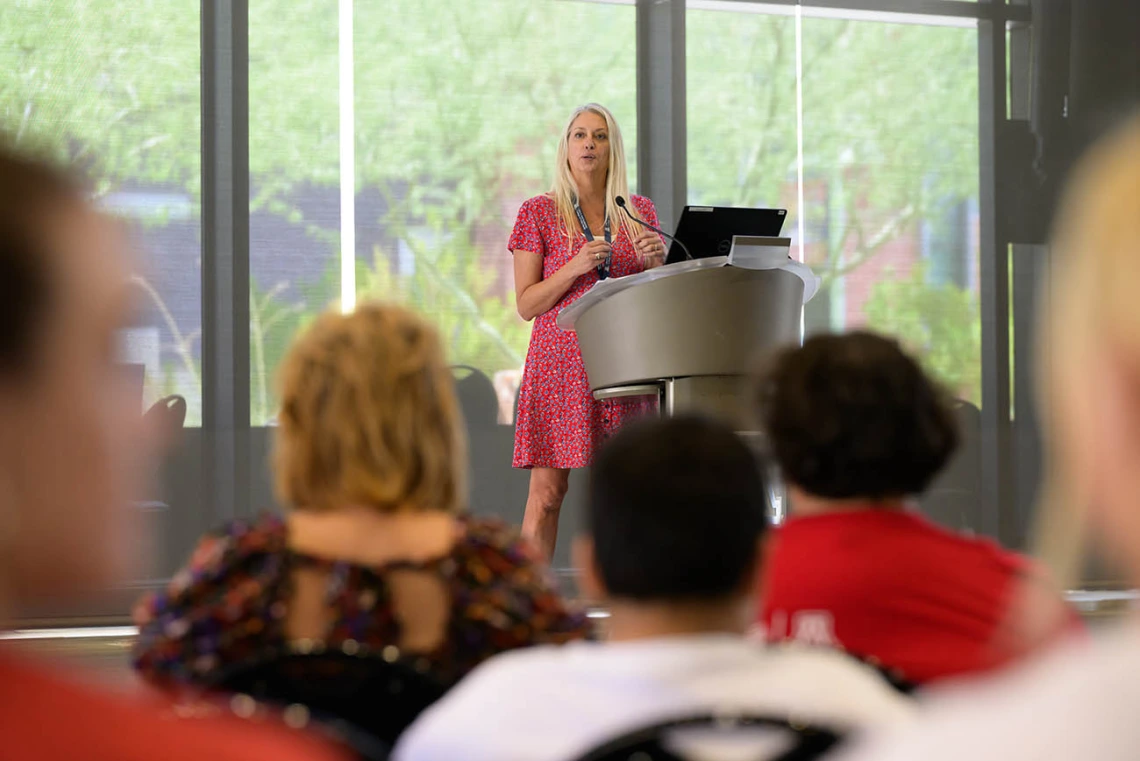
369 416
72 441
854 417
30 192
676 509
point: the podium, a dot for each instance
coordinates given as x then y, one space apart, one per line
689 332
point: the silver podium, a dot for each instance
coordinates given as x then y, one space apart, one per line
689 332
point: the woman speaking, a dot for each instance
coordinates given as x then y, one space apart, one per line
563 242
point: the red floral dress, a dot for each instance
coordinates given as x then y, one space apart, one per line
560 424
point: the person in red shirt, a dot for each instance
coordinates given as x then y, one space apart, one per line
72 444
858 430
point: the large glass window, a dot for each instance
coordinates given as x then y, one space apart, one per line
455 113
294 224
886 123
114 87
391 143
741 76
890 135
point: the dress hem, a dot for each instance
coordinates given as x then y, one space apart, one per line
533 465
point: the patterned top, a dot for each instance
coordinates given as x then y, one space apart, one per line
560 424
229 604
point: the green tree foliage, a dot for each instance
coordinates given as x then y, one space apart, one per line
111 86
889 123
938 323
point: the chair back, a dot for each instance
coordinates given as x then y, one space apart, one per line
368 698
954 499
756 738
477 397
895 678
167 418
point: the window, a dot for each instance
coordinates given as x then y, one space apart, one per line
391 143
294 224
741 77
455 114
885 162
890 134
116 87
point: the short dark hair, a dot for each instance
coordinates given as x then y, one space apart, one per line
854 416
29 188
676 510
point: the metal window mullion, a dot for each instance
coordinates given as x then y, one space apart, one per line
661 118
998 512
1030 266
225 259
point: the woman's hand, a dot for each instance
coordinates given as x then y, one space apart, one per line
534 294
651 249
589 257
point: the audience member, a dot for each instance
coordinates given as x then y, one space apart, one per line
1079 702
376 551
71 446
858 431
676 517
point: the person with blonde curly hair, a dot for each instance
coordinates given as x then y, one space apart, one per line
376 548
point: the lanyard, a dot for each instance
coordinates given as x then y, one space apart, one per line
604 267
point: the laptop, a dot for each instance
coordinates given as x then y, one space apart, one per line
708 230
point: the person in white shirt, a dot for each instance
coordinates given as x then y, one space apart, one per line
1079 702
676 520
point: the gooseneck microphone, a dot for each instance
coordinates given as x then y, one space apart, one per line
647 226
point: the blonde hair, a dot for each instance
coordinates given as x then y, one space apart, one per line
1091 304
565 190
369 416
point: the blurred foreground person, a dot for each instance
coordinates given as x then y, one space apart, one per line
675 522
376 552
1080 702
859 431
71 446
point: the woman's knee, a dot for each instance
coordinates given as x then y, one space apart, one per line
549 489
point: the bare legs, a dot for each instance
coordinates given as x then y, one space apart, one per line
543 503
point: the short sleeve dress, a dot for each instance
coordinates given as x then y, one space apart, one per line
560 424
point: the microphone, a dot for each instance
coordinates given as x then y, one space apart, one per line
647 226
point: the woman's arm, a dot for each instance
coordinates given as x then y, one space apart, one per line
534 295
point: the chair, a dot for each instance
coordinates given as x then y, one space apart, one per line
167 417
477 397
954 499
666 741
893 677
366 698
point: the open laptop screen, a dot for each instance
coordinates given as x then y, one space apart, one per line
708 230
